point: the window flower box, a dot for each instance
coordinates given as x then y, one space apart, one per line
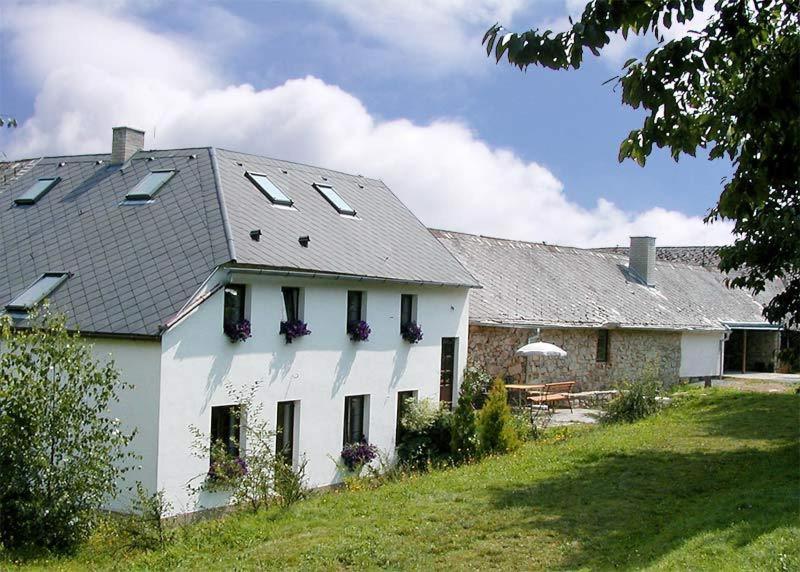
356 455
238 331
359 331
292 329
411 332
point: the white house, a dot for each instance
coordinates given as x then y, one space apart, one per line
151 254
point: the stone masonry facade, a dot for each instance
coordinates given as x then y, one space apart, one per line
632 355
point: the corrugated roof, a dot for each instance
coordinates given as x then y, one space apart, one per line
537 284
134 266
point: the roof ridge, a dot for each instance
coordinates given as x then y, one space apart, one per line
518 241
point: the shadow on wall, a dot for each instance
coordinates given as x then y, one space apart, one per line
399 364
343 367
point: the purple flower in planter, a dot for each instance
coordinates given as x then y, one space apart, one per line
359 331
357 455
292 329
227 469
411 332
238 331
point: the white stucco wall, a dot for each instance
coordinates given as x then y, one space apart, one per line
700 354
318 370
139 364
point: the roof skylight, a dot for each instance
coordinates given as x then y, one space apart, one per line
37 191
273 193
37 291
147 188
334 199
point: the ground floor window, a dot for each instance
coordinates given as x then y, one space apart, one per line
447 372
225 428
402 404
355 419
602 346
284 438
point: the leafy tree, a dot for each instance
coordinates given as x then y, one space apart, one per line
496 426
61 455
464 432
730 87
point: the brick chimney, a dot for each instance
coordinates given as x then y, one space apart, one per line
642 258
124 143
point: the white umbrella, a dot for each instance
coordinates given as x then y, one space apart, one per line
541 349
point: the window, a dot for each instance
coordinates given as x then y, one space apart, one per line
408 303
602 345
402 405
354 419
284 437
225 428
291 303
447 371
147 188
234 311
37 291
273 193
334 199
355 308
37 191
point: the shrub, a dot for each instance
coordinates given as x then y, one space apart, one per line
477 382
426 435
635 401
145 527
496 433
61 454
464 432
251 477
290 482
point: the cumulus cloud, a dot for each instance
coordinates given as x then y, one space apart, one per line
442 170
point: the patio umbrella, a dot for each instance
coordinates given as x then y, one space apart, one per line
541 349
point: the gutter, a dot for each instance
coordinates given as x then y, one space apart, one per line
751 326
580 326
226 223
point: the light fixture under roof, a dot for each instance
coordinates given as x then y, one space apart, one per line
147 188
335 199
36 292
268 188
37 191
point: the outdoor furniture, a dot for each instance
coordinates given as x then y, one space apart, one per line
551 394
522 392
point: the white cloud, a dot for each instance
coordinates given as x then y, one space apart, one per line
100 70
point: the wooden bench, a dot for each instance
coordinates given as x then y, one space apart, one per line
553 393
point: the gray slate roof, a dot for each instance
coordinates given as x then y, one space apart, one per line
701 255
134 266
536 284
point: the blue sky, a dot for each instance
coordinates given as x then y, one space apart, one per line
394 91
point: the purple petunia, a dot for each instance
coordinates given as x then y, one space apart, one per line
359 331
357 455
227 469
238 331
411 332
292 329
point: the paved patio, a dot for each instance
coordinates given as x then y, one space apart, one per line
772 377
576 416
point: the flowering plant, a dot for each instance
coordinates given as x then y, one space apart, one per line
292 329
226 468
359 331
411 332
356 455
238 331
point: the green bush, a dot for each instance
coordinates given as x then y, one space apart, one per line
463 427
61 454
496 431
145 528
290 484
477 383
636 401
426 435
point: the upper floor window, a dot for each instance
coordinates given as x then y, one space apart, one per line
408 309
234 312
37 191
355 306
36 292
147 188
602 345
291 303
335 199
268 188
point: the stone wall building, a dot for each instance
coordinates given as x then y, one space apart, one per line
619 317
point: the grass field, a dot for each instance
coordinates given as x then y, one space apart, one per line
712 483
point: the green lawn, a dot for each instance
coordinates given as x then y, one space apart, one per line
712 483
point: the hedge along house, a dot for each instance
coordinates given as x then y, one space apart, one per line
619 317
168 260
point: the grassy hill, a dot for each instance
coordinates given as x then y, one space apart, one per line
711 483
